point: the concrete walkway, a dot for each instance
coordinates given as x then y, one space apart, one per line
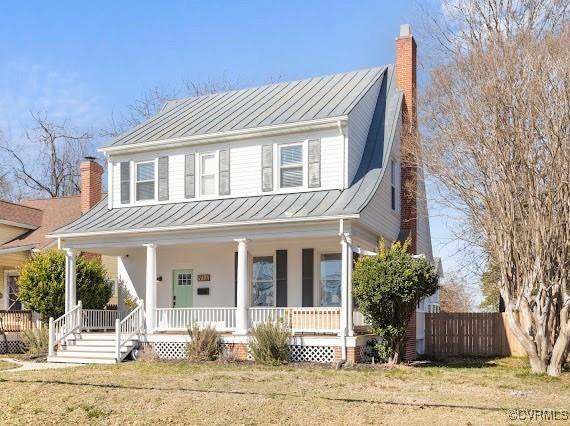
28 365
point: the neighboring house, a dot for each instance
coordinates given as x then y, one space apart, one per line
23 230
246 206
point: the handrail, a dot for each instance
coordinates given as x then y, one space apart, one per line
126 328
63 326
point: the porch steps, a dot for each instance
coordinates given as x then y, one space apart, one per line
91 348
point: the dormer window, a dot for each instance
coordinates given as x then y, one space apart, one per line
145 180
208 172
395 186
291 166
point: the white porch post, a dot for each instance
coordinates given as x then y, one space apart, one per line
70 282
242 299
150 300
349 302
345 283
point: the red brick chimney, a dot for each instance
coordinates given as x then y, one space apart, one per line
91 182
406 81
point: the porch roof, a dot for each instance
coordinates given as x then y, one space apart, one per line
271 208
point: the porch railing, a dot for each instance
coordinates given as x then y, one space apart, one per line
128 327
313 320
65 325
101 319
15 320
223 319
259 315
299 320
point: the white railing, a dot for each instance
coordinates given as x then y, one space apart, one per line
313 320
358 319
128 327
62 327
222 319
101 319
259 315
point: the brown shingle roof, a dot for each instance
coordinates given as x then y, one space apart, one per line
53 212
28 216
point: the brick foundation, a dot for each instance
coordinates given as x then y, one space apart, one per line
353 354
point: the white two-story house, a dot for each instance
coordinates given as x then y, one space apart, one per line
250 205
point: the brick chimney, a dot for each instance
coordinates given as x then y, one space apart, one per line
406 81
91 182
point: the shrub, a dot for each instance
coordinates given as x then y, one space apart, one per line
387 288
203 344
270 343
36 341
42 284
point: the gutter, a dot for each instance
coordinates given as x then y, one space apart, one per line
17 249
310 125
198 227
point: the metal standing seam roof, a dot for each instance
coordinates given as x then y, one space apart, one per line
282 103
302 205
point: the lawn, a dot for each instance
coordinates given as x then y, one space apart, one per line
179 392
5 365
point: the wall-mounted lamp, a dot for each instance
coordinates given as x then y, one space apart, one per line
159 278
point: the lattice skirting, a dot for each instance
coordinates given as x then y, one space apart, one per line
298 353
14 347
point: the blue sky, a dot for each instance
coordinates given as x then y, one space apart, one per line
83 61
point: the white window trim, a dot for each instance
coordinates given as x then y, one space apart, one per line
6 295
200 174
278 167
251 279
135 181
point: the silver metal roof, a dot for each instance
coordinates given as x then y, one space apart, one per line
274 104
303 205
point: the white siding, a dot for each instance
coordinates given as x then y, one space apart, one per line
359 120
245 166
423 245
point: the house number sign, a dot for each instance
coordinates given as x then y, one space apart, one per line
203 277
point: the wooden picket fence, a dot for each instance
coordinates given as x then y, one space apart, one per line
467 334
14 321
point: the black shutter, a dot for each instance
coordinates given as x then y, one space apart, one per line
224 171
189 176
235 277
125 182
281 278
314 163
163 178
308 277
267 168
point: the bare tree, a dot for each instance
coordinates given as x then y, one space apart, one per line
455 296
56 152
496 136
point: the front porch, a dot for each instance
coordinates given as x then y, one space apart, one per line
300 275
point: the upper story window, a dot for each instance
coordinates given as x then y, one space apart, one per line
145 180
395 185
208 173
291 166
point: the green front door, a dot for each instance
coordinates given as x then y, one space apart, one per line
182 281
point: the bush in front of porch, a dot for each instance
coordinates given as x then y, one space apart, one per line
42 284
387 288
270 343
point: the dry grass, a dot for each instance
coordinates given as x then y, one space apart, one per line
5 365
160 392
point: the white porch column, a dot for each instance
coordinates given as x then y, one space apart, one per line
349 302
70 280
242 299
150 293
344 244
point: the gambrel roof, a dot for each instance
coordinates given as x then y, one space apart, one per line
282 103
334 98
